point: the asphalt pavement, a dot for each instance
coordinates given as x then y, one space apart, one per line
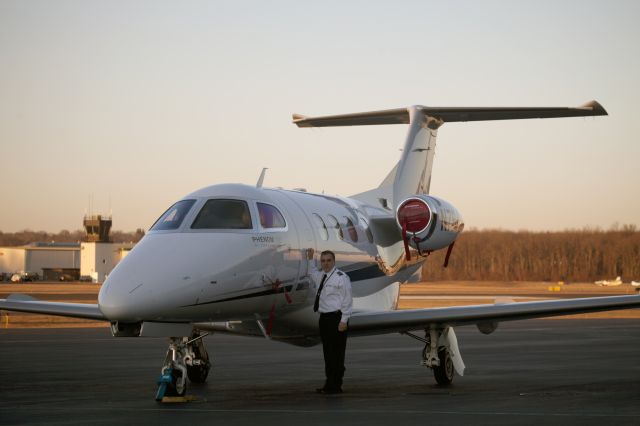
566 372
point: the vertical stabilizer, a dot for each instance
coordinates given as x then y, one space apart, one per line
413 175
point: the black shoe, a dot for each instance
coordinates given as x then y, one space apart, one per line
332 391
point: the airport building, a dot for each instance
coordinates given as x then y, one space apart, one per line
97 259
51 261
90 260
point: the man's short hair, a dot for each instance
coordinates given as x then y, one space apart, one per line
329 253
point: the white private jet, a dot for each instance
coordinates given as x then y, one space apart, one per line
232 258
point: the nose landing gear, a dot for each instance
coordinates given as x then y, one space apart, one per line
186 357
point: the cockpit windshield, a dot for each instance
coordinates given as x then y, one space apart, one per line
173 217
223 214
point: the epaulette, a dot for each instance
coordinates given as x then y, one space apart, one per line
340 273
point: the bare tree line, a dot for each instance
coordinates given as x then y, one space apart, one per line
573 255
20 238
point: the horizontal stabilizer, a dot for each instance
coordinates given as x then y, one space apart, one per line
448 115
390 116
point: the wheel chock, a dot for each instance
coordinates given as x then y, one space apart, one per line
163 381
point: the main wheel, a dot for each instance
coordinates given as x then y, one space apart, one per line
198 373
444 372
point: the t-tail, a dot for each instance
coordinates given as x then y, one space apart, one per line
412 173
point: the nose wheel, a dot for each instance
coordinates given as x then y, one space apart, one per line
171 383
186 358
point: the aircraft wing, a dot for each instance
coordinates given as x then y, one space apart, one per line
363 323
22 303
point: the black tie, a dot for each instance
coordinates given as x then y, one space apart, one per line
316 304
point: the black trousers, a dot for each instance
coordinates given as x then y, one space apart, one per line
334 344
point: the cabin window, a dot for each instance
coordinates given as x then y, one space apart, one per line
321 227
367 229
351 230
223 214
333 223
173 217
270 216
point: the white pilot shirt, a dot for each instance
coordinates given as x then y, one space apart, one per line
336 293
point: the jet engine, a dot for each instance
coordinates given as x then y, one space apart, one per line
428 223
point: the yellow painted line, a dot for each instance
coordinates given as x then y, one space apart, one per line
178 399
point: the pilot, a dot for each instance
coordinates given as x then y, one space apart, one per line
334 304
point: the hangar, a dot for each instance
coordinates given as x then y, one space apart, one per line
51 261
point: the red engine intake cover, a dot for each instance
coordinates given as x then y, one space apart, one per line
415 215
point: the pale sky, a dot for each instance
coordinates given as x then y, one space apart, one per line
137 103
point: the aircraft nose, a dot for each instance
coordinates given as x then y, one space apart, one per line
117 299
131 291
156 279
164 274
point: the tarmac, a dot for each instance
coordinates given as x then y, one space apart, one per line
572 372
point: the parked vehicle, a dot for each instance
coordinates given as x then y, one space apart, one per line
23 277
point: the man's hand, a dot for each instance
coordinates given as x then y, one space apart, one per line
309 253
342 326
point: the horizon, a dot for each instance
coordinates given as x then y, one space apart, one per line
614 227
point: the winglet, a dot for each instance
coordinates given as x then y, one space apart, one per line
596 108
299 120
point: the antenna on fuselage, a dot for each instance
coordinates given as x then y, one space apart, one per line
261 178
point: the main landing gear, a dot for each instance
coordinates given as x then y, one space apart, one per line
441 354
186 357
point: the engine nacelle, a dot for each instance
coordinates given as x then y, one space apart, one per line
428 223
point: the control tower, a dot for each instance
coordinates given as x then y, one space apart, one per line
98 228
